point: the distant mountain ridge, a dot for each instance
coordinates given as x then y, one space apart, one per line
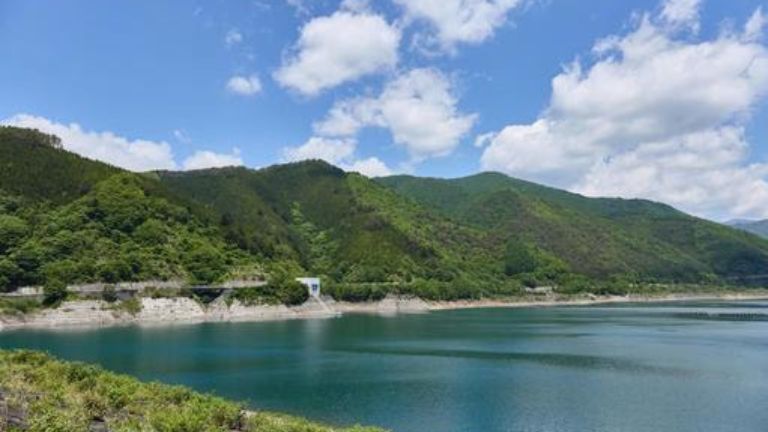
759 227
485 234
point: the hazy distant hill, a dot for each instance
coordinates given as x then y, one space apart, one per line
65 218
755 227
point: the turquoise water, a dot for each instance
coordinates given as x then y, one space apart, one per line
689 367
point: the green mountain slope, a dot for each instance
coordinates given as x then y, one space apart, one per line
64 218
67 219
33 166
598 237
334 223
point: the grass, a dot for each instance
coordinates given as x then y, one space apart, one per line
64 396
131 305
10 306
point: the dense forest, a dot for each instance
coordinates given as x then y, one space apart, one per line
66 219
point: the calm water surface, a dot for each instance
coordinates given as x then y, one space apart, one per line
683 367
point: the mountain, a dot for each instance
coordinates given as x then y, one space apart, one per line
338 224
594 236
755 227
65 218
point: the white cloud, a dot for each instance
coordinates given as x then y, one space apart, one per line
338 48
202 159
654 116
703 173
333 151
244 85
181 136
753 29
418 108
356 5
135 155
371 167
233 37
339 152
458 21
681 13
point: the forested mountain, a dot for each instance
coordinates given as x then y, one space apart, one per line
64 218
755 227
593 236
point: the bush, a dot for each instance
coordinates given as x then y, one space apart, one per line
292 292
250 296
9 275
12 230
68 396
54 292
205 263
131 305
18 306
109 294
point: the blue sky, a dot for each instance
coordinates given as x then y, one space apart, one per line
656 99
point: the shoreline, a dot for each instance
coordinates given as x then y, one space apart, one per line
85 314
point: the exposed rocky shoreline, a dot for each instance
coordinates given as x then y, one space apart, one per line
160 311
182 310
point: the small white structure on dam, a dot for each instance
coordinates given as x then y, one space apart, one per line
313 285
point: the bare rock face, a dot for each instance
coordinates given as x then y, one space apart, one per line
161 311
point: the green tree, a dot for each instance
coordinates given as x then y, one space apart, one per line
204 263
292 292
9 275
12 231
320 247
54 292
518 259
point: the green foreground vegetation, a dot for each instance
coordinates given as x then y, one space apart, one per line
49 395
65 219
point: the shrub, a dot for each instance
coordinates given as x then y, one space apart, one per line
54 292
18 306
131 305
12 230
292 292
109 294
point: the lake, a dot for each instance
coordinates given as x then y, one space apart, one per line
660 367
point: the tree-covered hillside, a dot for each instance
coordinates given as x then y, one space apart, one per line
598 237
341 225
64 218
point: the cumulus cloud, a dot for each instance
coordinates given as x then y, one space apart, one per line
135 155
418 108
233 37
371 167
339 152
458 21
338 48
181 136
753 29
333 151
244 85
202 159
681 13
655 116
703 173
